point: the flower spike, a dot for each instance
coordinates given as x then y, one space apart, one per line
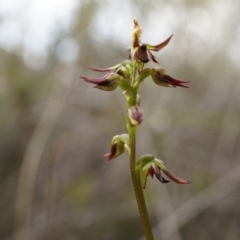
128 76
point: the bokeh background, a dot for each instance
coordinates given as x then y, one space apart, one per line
55 128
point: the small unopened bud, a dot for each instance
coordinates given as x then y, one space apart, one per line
135 114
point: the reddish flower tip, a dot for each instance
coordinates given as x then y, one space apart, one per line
158 47
175 178
100 69
108 156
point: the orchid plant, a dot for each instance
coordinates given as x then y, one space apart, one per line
128 75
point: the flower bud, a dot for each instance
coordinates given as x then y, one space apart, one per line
118 145
135 114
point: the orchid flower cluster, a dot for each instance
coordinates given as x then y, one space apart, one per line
128 75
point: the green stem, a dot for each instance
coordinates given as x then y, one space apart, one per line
136 179
137 184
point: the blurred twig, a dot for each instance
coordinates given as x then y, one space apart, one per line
43 131
57 152
34 152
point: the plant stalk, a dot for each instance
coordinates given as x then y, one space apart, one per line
137 184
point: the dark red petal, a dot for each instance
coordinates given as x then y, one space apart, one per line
175 178
107 155
112 153
94 80
151 172
100 69
176 82
141 54
157 172
161 45
152 57
161 179
145 182
107 83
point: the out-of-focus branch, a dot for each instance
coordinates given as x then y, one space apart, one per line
57 151
34 153
54 107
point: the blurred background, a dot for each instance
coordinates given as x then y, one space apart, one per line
55 128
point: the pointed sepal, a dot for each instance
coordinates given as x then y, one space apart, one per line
109 82
160 78
97 69
161 45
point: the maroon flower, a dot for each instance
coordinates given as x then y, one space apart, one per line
141 51
154 169
107 83
148 165
162 79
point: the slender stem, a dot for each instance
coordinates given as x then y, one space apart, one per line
137 184
136 180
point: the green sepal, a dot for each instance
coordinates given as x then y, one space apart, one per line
118 145
143 160
159 163
139 66
143 165
129 65
123 138
144 74
126 72
124 85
